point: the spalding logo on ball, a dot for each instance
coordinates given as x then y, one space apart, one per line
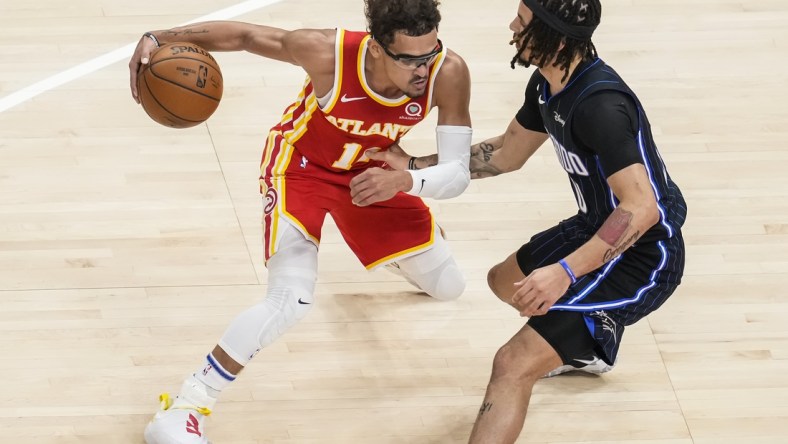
181 86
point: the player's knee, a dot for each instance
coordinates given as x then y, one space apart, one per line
450 283
510 364
493 277
283 308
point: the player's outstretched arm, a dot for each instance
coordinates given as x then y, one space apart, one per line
497 155
505 153
312 49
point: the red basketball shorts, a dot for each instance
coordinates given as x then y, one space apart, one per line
301 193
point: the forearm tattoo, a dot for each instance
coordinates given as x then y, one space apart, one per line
426 161
486 407
185 31
616 233
481 155
613 252
616 226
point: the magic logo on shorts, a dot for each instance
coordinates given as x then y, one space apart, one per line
271 198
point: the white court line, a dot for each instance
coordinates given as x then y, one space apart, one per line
105 60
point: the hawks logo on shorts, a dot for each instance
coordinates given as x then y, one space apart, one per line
271 198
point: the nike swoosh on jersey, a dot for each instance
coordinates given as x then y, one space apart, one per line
346 99
302 302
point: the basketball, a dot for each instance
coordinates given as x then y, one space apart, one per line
181 86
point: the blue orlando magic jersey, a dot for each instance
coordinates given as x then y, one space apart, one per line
595 199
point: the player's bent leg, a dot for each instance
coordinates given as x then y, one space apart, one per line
434 271
501 278
292 273
516 368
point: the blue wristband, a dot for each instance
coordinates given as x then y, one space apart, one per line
568 270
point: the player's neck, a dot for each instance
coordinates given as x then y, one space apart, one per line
555 75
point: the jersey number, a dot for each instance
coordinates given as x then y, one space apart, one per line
581 203
349 154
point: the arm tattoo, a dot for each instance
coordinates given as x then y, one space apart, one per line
486 150
186 31
616 250
486 407
614 232
427 161
481 155
615 227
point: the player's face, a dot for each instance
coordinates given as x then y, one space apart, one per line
408 61
524 16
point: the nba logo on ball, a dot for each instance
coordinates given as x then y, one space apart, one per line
181 86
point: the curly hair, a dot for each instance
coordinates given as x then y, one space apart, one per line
544 42
411 17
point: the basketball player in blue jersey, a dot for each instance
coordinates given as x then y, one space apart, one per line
363 92
614 262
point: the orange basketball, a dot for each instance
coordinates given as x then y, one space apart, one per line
181 86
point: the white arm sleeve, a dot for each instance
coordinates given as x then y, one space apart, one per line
451 175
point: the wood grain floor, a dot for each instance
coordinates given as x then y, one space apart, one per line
126 247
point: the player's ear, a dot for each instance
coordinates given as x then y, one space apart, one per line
375 49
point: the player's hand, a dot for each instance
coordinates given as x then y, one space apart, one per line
394 157
139 59
540 290
377 185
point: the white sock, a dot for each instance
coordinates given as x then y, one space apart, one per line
213 376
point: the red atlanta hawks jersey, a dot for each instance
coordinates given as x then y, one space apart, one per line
355 118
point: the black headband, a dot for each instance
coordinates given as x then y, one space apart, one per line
574 31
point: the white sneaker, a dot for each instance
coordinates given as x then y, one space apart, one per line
595 365
180 420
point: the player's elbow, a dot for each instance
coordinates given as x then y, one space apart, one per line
649 212
457 185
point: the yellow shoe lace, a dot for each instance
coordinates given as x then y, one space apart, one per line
166 404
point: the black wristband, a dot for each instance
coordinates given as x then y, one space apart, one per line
152 37
412 164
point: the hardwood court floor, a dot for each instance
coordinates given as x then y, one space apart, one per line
126 247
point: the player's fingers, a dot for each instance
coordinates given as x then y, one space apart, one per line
396 149
359 190
133 73
134 92
522 290
377 155
363 199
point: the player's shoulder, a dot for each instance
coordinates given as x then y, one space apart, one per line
454 61
316 38
313 50
453 69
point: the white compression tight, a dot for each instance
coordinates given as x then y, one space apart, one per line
292 272
434 271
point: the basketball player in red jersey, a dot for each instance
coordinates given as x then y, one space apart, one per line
363 92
